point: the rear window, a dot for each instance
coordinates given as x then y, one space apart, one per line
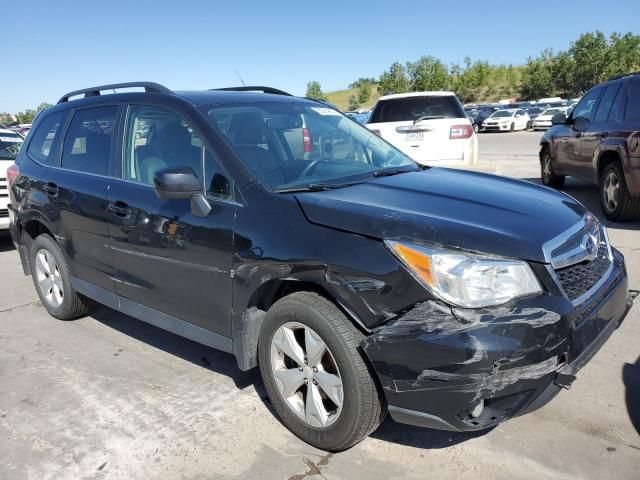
47 132
632 112
87 144
409 109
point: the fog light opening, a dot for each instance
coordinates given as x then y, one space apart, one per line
476 408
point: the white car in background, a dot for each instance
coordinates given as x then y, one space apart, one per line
543 121
507 120
10 144
430 127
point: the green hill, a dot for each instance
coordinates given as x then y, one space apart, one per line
340 98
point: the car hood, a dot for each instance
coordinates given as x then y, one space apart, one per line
544 118
455 208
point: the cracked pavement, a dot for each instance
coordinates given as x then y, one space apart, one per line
110 397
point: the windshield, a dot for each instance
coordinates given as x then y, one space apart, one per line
410 109
10 144
291 145
502 113
553 111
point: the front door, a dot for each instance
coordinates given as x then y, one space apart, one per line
582 116
165 257
596 132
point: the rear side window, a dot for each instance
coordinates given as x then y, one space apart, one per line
632 112
409 109
618 103
45 136
87 145
605 104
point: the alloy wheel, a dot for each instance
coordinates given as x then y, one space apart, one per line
611 191
49 278
306 374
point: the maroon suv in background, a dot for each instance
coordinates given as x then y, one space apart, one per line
600 142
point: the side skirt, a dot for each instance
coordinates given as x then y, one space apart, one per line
152 316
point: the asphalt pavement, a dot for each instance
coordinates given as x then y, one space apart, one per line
107 396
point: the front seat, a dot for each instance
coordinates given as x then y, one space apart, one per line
247 132
172 148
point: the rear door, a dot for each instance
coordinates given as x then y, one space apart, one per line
165 257
77 187
420 126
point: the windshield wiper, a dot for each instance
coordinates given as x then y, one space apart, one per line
393 171
427 117
316 187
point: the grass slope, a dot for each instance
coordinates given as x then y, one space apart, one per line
340 98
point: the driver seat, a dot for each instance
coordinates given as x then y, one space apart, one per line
247 132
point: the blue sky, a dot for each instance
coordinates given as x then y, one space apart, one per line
54 46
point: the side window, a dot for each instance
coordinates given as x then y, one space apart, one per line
44 137
87 144
618 103
158 138
586 107
632 112
605 104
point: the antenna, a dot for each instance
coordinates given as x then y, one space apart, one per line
241 80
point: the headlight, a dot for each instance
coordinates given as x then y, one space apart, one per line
465 279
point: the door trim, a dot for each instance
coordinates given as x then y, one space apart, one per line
152 316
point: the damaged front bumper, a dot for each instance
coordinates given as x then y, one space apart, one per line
458 369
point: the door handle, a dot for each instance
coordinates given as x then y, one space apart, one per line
50 189
119 208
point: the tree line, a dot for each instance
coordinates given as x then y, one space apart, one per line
591 59
22 117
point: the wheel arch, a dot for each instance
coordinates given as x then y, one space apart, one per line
247 324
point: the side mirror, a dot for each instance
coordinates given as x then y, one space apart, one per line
580 123
181 183
559 119
176 183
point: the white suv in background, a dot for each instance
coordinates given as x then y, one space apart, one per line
10 144
430 127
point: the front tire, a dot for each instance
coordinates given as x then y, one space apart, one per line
52 280
617 203
319 382
513 127
547 174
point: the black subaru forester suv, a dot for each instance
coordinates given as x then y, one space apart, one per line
277 229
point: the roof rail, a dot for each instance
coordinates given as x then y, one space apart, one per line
622 75
149 87
254 88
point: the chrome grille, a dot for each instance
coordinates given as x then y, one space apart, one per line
578 279
580 257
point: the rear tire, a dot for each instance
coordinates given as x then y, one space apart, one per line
302 321
52 280
547 174
617 203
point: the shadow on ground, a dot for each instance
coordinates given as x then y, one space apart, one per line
588 195
631 379
419 437
201 355
6 243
